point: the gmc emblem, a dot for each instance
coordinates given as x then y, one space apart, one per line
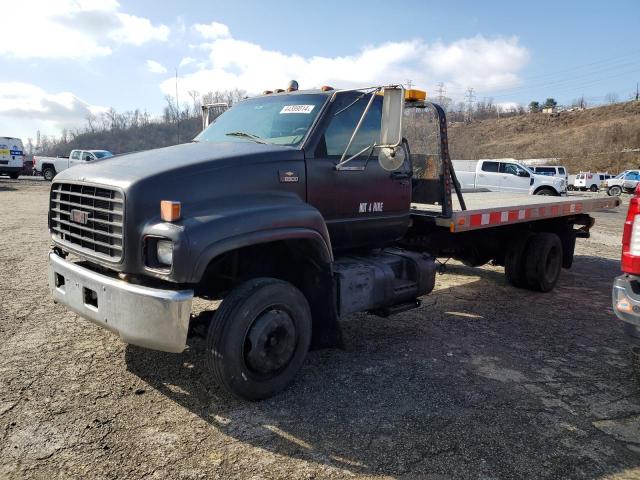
79 216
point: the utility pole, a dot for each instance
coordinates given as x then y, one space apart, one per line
441 92
637 91
177 106
469 96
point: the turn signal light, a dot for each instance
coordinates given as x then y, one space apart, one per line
170 211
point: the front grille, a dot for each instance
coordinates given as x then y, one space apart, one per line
88 218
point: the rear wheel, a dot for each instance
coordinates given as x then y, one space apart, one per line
614 191
14 175
259 338
543 261
514 261
593 188
48 173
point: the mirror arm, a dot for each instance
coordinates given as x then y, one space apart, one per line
340 164
355 132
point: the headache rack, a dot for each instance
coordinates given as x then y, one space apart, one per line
88 219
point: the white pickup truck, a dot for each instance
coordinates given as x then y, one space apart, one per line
506 175
48 167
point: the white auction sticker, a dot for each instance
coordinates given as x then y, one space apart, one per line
297 109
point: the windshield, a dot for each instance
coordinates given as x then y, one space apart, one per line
280 120
102 153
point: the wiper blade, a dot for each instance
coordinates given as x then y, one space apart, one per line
253 137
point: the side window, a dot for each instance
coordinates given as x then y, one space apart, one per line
509 168
345 118
490 166
75 155
561 170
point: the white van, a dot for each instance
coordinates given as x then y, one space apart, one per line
506 175
11 156
591 180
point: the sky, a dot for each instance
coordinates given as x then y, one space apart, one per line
66 59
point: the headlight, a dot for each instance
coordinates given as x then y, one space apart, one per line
164 252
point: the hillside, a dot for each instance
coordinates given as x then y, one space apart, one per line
593 139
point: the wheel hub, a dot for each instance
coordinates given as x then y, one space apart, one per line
270 342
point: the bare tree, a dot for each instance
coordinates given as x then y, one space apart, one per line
611 97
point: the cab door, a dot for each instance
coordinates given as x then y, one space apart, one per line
514 178
365 205
75 158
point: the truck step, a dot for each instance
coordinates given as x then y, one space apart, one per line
400 307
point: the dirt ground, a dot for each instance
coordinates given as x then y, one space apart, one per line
483 381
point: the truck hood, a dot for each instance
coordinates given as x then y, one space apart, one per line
177 161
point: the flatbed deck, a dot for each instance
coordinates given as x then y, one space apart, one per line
492 209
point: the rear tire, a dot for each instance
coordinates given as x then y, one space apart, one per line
543 261
547 192
514 261
594 188
48 173
258 338
614 191
14 176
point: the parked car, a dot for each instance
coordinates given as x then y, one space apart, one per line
553 171
11 156
506 176
48 167
590 180
627 181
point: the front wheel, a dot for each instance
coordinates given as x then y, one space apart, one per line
614 191
546 192
259 338
594 188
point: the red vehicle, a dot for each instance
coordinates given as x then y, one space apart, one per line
626 287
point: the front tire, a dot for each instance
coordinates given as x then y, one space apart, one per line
614 191
48 173
543 261
547 192
594 188
259 337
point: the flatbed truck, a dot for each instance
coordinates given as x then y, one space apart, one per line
296 209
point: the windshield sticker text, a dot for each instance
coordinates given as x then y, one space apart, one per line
297 109
369 207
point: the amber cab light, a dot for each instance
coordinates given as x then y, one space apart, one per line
631 237
170 211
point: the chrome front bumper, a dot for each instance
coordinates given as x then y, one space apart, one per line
147 317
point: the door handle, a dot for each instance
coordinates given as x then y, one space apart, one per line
481 174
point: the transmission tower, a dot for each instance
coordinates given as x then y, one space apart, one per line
441 91
469 97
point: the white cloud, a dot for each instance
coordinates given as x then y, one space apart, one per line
186 61
213 30
73 29
482 63
156 67
507 106
26 108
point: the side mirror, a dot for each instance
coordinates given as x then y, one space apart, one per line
88 158
392 112
523 173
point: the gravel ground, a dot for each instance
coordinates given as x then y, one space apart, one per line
483 381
